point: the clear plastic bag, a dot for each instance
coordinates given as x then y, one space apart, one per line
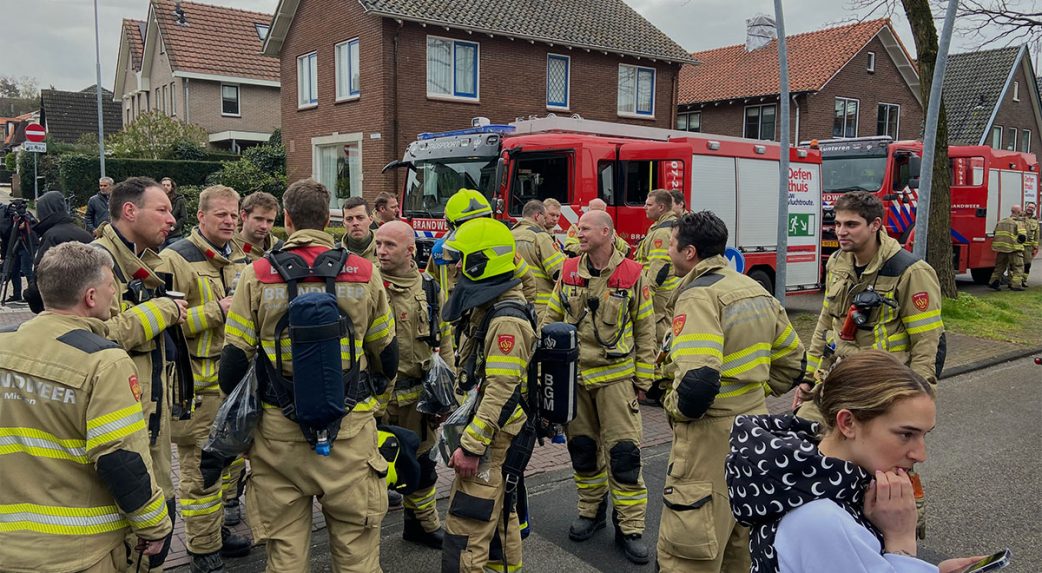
439 389
453 426
232 431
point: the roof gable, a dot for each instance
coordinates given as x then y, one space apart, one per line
609 26
68 115
134 36
974 85
814 59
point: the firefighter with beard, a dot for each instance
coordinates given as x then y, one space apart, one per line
205 266
140 315
732 343
415 301
480 533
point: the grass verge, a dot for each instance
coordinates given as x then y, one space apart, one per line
1007 316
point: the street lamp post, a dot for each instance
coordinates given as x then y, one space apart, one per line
97 91
783 159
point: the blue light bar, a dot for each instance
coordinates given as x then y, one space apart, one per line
491 128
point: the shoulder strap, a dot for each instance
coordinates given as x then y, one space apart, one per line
291 267
708 279
430 289
513 308
115 264
86 341
570 272
625 275
188 250
328 266
666 224
896 265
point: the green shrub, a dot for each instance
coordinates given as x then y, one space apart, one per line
191 193
79 174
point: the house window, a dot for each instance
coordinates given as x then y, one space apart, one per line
844 124
888 119
230 100
307 80
1016 91
262 31
452 68
347 77
689 121
1012 146
636 91
162 99
173 100
1025 142
871 62
996 137
558 77
338 166
759 121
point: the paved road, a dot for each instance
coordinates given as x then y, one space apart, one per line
983 479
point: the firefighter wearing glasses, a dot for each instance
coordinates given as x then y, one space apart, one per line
732 343
607 297
478 537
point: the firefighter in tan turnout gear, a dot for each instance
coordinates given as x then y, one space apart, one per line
76 473
609 301
538 249
1031 244
205 266
257 214
415 302
732 343
480 533
287 470
1009 242
653 254
140 315
571 240
358 237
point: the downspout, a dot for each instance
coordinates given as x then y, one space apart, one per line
796 104
676 96
395 124
188 117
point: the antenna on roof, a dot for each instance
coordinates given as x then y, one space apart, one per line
179 15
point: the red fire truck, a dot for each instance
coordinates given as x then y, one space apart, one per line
575 160
986 182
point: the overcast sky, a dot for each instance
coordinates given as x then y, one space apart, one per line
53 40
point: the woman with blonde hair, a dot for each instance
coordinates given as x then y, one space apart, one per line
836 496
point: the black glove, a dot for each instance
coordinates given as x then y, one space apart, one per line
211 466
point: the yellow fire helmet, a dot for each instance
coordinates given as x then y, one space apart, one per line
466 204
485 246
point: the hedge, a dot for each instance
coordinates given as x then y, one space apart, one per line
79 173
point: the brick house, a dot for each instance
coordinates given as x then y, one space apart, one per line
992 99
847 81
201 64
364 78
68 115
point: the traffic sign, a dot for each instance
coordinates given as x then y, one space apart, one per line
35 133
735 258
34 147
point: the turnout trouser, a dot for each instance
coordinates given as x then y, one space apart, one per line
422 503
202 508
1014 262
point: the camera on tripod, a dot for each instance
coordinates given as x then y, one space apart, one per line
17 208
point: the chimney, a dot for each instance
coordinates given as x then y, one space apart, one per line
759 31
179 15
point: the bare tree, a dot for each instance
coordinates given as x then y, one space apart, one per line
995 23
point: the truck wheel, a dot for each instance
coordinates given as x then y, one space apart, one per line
981 276
764 279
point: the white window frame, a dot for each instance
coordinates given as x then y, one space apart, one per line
897 130
263 35
759 120
636 113
1016 91
996 137
238 100
1025 140
311 60
567 83
173 99
871 63
857 117
456 95
355 92
338 139
1016 138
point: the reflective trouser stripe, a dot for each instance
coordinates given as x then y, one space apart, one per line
201 506
621 498
421 500
591 481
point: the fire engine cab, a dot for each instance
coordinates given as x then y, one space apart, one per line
985 183
575 160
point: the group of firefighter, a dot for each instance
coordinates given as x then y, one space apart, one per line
668 323
1015 242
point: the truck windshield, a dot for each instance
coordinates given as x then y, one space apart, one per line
431 184
842 174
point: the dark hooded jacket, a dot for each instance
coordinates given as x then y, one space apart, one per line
775 467
56 226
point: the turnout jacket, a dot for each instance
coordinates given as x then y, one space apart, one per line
538 248
912 331
1010 236
205 275
256 251
653 254
614 315
74 461
732 344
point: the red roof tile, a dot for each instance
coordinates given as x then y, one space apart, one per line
215 40
133 32
814 57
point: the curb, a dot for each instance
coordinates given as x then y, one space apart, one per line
990 361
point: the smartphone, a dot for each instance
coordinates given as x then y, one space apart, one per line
990 563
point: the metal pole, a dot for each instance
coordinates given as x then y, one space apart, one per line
933 112
97 90
36 179
783 162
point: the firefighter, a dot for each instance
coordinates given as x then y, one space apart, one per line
732 343
1009 241
679 204
285 473
257 214
538 248
77 476
139 315
1031 227
420 332
608 300
358 237
205 266
653 254
385 210
480 533
553 215
571 241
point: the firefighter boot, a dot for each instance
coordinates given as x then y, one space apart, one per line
583 528
415 533
232 513
207 563
994 285
233 545
394 499
633 545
